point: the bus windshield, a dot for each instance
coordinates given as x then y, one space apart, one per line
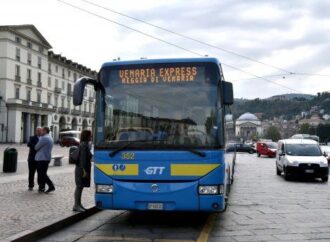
161 106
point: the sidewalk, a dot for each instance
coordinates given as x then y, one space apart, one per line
21 209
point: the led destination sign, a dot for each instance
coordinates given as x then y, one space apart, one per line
160 75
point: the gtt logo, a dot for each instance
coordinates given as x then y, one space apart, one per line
154 170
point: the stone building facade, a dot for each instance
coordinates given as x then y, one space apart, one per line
36 87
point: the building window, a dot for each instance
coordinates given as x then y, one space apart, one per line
39 77
49 81
18 54
39 62
63 74
85 106
17 92
69 73
49 68
29 45
39 96
85 93
18 39
28 74
90 107
69 103
62 102
28 95
56 101
29 59
49 98
56 69
69 89
74 77
56 82
17 71
41 49
63 85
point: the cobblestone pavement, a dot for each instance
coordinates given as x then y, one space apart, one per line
263 207
21 209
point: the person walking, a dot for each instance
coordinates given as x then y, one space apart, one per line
32 164
43 157
83 169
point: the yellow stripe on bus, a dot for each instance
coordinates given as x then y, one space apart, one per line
192 169
130 170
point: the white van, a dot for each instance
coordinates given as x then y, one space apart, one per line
301 156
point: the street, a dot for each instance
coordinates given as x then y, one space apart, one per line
263 207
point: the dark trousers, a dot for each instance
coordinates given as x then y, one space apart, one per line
32 171
42 167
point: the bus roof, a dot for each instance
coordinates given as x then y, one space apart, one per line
161 61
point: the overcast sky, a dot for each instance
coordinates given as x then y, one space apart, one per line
290 34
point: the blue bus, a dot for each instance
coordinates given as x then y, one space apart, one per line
160 135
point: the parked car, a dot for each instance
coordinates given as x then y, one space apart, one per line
240 147
306 136
69 141
301 157
69 138
266 148
326 152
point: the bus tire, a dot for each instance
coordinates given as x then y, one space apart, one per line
259 154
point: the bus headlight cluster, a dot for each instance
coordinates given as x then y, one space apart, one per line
104 188
210 190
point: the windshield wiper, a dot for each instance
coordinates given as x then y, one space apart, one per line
196 152
114 152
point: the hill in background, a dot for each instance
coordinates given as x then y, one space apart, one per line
287 106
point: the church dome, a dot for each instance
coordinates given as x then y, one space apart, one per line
247 117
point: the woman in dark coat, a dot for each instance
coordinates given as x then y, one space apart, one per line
83 169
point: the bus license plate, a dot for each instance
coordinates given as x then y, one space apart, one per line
309 171
155 206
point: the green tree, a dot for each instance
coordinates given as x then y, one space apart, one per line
273 133
304 128
323 131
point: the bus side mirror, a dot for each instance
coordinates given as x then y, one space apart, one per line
227 94
79 89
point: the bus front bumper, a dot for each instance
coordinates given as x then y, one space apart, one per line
174 196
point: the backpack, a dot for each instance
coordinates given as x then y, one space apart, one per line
74 156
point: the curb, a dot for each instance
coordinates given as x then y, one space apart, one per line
37 233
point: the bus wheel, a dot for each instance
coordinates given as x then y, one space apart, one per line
259 154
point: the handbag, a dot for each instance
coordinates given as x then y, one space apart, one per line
74 156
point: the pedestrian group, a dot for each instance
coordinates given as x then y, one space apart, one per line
40 154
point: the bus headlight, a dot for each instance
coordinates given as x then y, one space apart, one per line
104 188
210 190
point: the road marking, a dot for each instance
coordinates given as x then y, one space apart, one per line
119 238
204 235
